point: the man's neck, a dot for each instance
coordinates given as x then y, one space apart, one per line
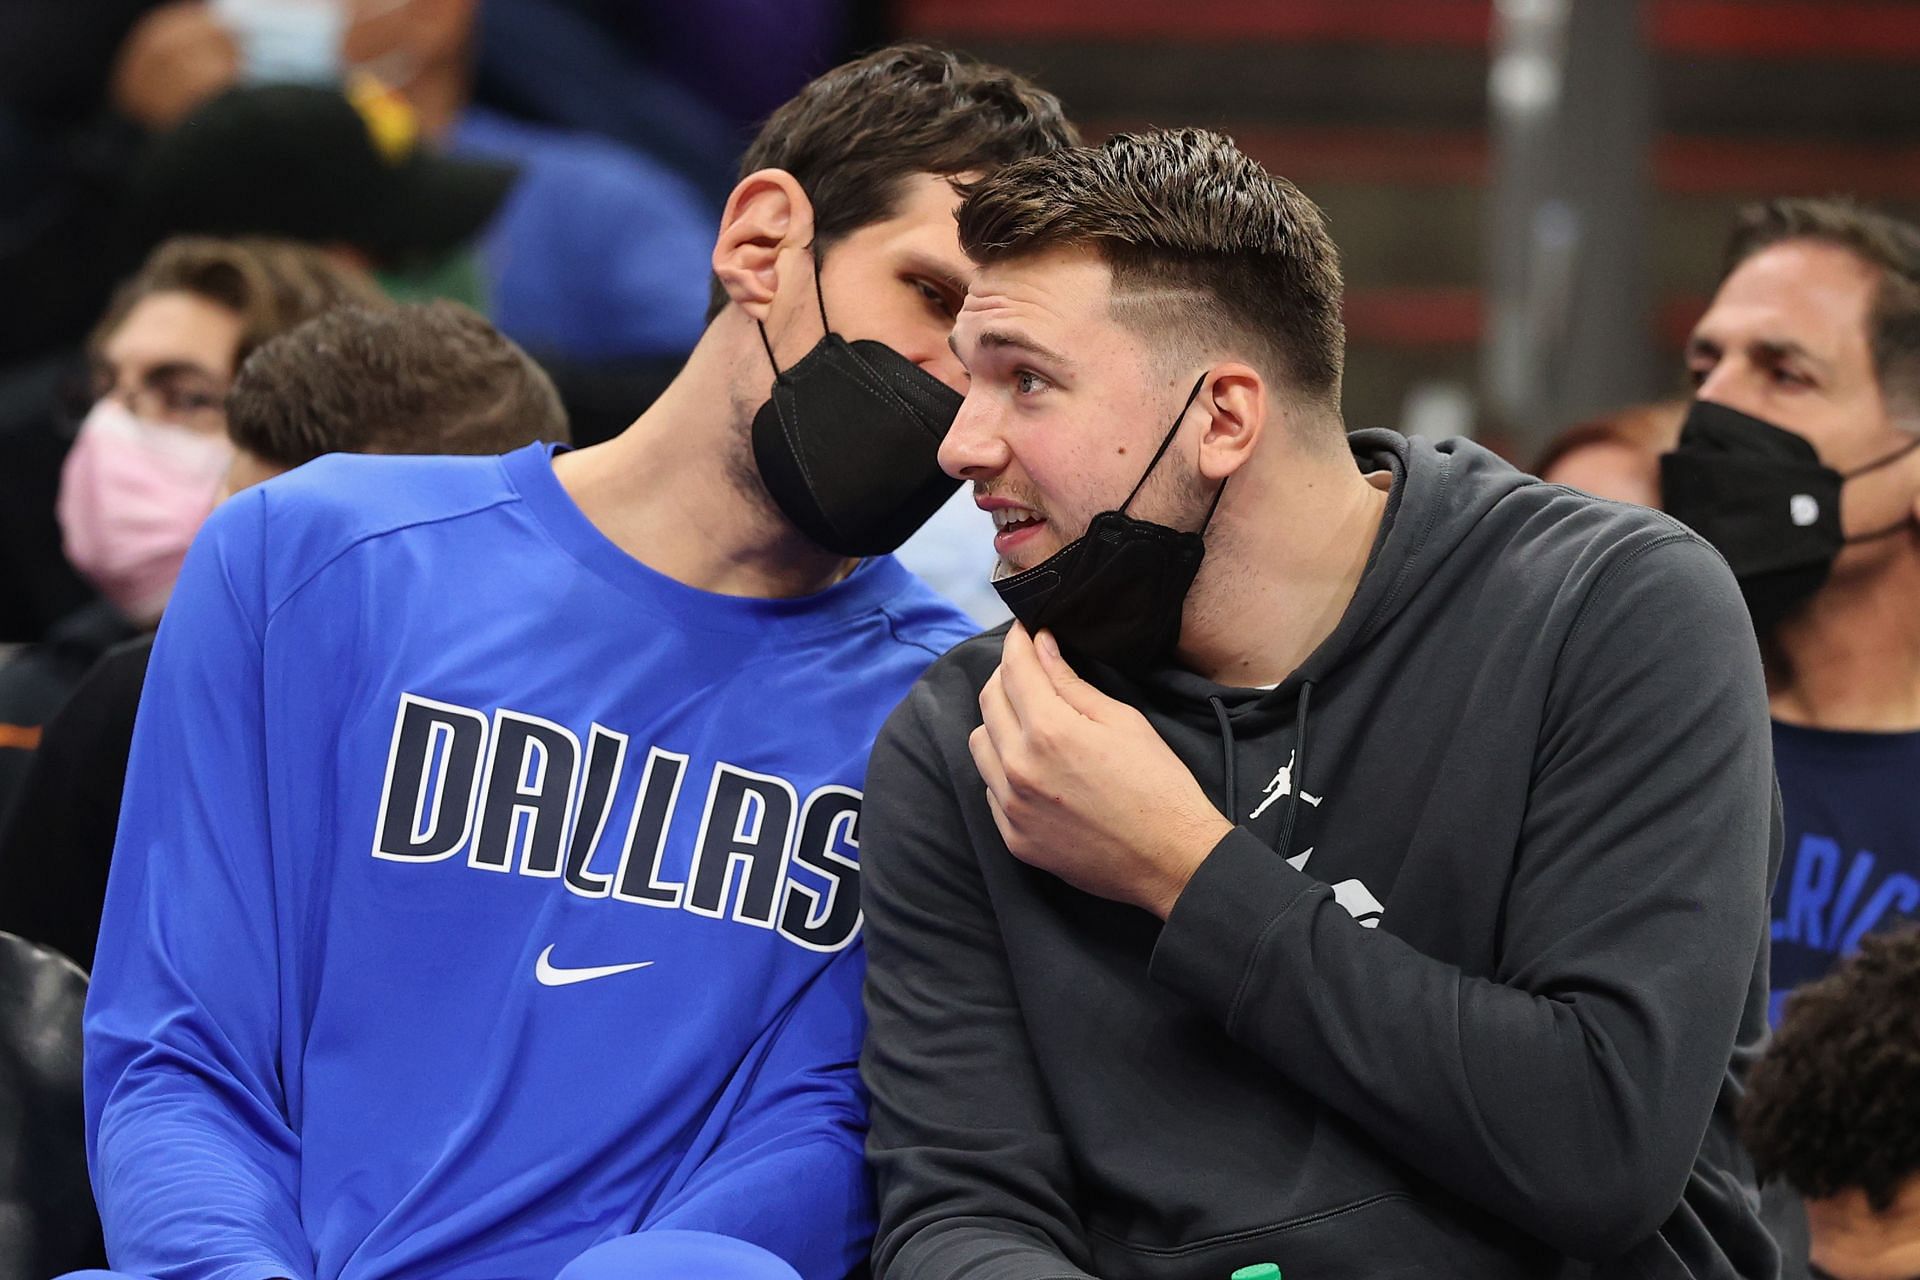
1851 659
1275 584
669 491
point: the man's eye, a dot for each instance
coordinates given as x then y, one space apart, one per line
936 297
181 402
1026 382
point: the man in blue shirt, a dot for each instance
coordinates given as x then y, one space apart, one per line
1798 461
486 897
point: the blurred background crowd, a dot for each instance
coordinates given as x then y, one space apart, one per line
1533 200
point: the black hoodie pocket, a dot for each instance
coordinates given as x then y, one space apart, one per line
1388 1236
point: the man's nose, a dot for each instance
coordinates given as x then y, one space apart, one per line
1726 384
973 448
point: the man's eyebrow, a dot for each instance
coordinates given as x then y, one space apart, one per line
1782 348
179 368
1016 341
1773 349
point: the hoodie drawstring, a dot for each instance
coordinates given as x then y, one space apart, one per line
1226 759
1296 775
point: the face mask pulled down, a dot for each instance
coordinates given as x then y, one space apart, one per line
848 444
132 495
1117 592
1762 497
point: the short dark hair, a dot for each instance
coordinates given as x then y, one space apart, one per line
424 378
1835 1102
272 285
1879 240
853 136
1228 251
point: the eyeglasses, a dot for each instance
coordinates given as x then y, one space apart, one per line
179 394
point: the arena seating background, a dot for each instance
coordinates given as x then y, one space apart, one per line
1379 112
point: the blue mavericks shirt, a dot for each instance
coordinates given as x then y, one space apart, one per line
1852 858
482 896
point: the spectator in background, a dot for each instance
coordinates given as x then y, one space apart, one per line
66 143
432 378
147 463
599 639
426 378
742 58
1833 1108
81 87
598 262
1798 462
597 253
548 61
346 172
1616 456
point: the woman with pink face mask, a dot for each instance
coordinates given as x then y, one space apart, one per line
149 459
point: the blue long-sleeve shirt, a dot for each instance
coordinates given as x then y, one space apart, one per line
482 895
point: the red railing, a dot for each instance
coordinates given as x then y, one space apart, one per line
1866 30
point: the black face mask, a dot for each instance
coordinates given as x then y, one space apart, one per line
1763 498
848 444
1117 592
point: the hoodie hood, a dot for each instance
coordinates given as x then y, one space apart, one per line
1441 492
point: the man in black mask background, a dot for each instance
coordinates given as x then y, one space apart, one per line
1356 857
1797 461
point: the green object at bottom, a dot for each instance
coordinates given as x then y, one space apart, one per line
1258 1271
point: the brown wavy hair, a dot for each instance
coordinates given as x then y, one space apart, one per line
424 378
272 285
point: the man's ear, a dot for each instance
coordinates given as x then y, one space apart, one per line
767 214
1236 403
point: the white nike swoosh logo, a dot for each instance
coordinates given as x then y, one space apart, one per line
550 976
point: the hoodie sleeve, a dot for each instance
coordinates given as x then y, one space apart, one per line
195 1165
971 1169
1569 1091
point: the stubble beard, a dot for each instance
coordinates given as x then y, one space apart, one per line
742 472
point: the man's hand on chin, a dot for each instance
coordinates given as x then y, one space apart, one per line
1082 787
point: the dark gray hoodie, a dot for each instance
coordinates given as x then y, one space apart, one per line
1468 992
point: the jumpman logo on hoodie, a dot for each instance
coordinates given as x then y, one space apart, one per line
1280 787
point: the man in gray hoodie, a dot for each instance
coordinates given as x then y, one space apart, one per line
1356 855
